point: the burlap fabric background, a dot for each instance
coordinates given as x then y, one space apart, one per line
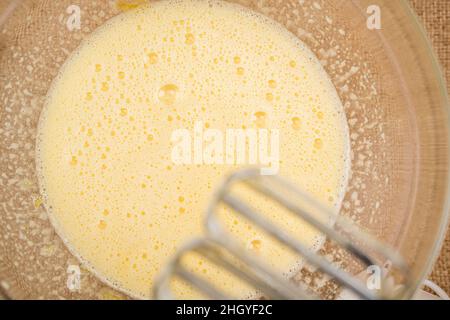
435 16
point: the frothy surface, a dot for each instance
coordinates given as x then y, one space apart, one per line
104 151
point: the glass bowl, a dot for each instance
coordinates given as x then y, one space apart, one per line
389 82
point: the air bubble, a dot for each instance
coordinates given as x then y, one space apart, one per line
152 58
261 119
168 94
190 38
318 143
102 225
272 84
296 123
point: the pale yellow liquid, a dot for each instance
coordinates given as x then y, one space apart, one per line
104 151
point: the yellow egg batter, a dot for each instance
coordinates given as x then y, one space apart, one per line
104 144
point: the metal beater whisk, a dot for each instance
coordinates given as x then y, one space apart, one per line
222 250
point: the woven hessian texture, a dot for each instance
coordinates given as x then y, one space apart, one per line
435 16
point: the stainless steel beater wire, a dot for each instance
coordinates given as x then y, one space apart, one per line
254 174
275 287
340 275
199 283
216 234
370 241
324 265
250 277
161 288
220 237
331 233
222 196
257 274
342 222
